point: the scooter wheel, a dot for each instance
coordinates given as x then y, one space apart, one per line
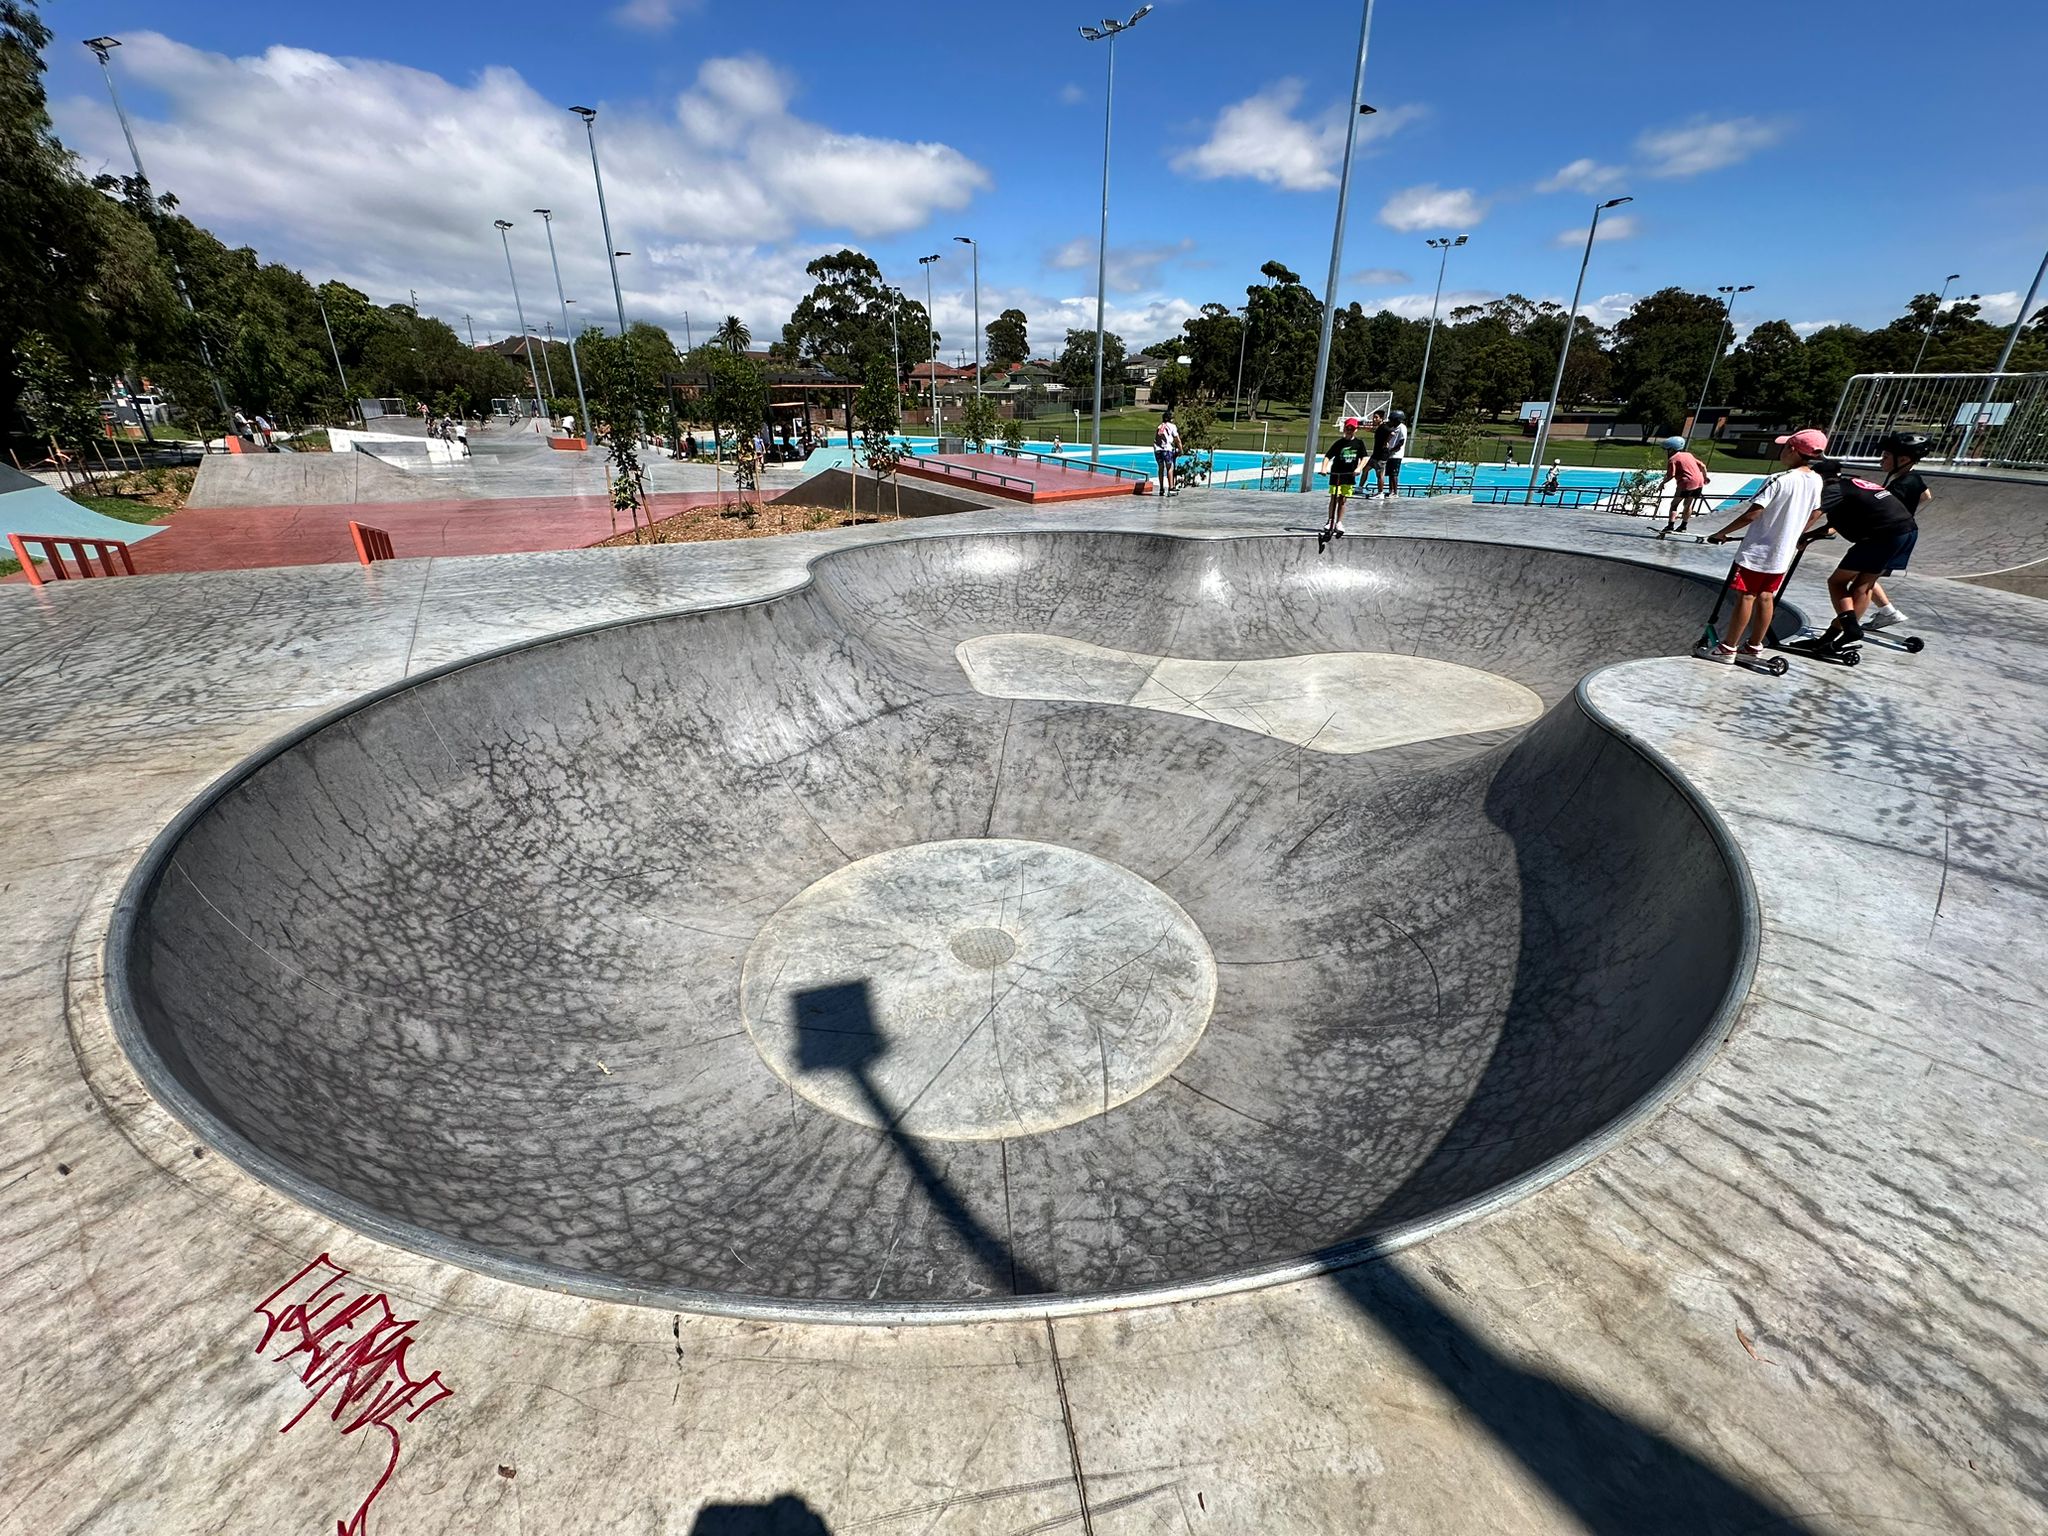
1852 658
1914 645
1779 666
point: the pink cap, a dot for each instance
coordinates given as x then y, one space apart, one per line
1810 441
1350 421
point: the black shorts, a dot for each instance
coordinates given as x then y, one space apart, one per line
1882 555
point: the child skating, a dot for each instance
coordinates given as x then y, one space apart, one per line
1774 522
1341 463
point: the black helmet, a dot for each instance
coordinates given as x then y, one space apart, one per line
1827 469
1905 445
1398 416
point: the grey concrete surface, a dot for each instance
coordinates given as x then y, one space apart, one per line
465 967
1982 524
1805 1297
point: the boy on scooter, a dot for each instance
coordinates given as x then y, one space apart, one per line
1881 534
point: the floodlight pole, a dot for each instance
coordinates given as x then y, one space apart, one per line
518 307
547 217
931 334
1108 30
1445 246
348 400
102 47
973 245
1727 323
1244 332
2005 356
1571 325
1358 109
1927 333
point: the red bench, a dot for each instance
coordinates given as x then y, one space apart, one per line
53 548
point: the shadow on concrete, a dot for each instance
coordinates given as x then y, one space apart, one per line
1618 1477
837 1032
784 1515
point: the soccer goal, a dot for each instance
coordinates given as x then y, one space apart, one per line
1362 403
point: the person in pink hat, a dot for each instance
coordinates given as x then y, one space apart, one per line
1771 526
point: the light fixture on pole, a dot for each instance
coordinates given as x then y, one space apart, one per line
1358 109
518 307
1727 323
547 217
970 242
1571 326
1444 246
589 116
1107 31
932 336
101 48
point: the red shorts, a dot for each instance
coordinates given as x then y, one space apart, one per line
1757 583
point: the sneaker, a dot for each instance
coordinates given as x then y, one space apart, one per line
1883 618
1725 654
1339 530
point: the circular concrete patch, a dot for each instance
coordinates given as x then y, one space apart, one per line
977 988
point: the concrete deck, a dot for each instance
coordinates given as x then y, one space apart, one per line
1805 1296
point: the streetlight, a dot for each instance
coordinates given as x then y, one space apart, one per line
969 241
1727 324
1571 325
2005 356
518 307
1358 109
1108 30
347 399
547 217
896 343
547 363
1446 245
1244 331
101 48
1927 334
932 337
589 116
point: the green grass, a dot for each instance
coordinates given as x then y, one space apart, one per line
121 507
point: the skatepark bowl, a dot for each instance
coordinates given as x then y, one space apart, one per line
1006 924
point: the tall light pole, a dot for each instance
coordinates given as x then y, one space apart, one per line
518 307
932 336
1108 30
896 343
547 217
2005 356
1927 334
101 47
547 363
589 116
1727 324
1444 246
1571 326
970 242
1358 109
348 401
1244 333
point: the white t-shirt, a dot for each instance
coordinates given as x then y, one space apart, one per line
1785 505
1397 440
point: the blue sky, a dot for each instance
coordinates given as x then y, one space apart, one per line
1761 143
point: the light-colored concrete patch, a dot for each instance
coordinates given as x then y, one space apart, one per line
1342 702
977 988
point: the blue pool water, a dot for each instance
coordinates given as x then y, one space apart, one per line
1243 468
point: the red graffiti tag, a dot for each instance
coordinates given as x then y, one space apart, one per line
354 1352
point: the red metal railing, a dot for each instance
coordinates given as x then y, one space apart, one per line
372 544
53 548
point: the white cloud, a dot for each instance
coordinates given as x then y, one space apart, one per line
1705 144
1583 175
1071 95
1261 139
651 15
1373 277
1997 308
1607 310
1432 207
1131 268
1415 306
329 177
1619 226
1806 328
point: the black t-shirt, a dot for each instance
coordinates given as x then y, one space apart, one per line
1381 435
1859 510
1908 487
1345 454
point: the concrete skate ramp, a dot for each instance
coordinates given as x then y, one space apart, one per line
758 960
304 480
1980 525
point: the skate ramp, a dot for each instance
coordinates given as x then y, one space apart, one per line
771 960
1982 525
28 506
303 480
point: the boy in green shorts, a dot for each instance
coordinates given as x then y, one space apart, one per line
1342 461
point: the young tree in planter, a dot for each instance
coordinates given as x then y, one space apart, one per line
979 422
876 409
735 396
1013 438
1197 422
